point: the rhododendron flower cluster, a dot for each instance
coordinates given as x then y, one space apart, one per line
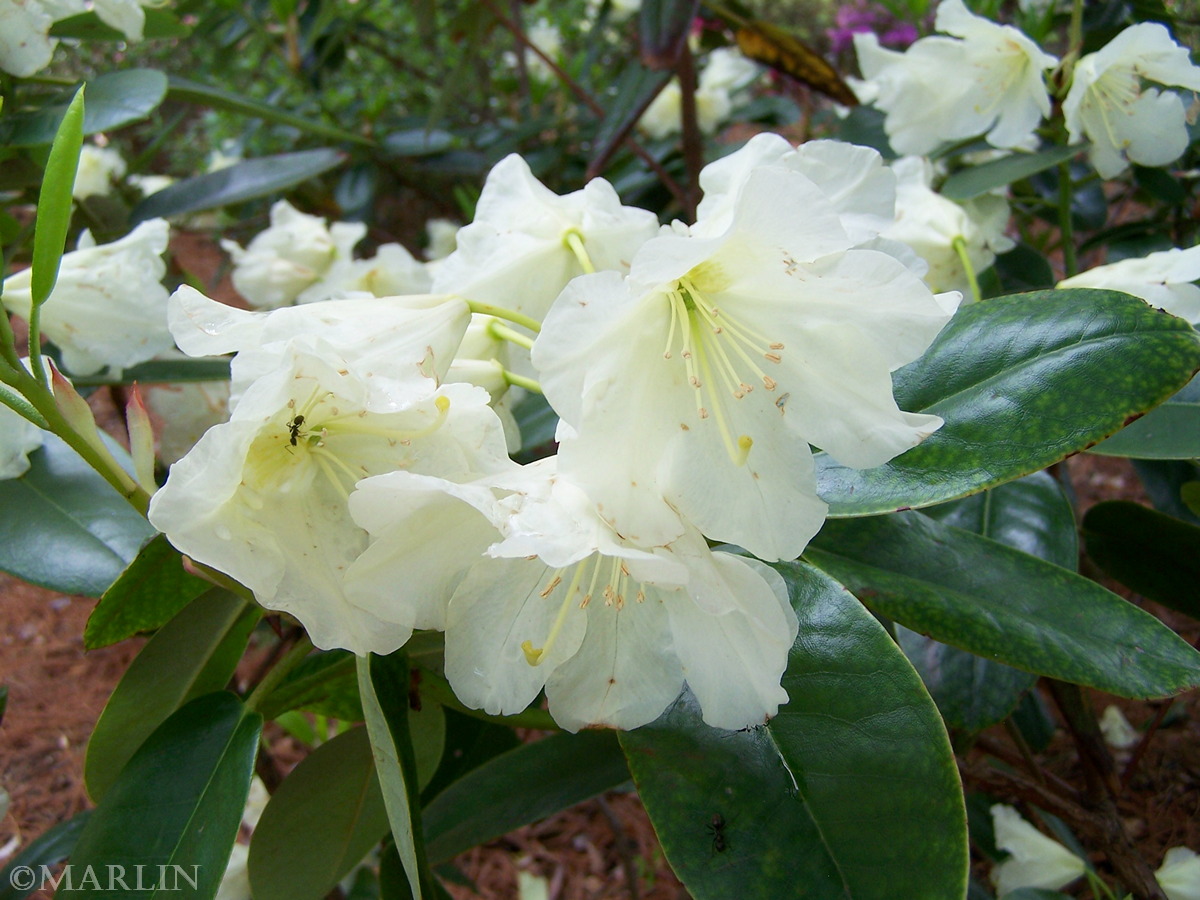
360 486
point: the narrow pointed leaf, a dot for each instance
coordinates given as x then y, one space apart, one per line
967 184
1154 554
178 804
242 181
851 791
147 595
65 504
1022 382
521 786
54 201
48 850
114 99
977 594
193 654
320 823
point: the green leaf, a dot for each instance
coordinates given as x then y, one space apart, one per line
193 654
663 27
1172 431
146 596
158 371
851 791
967 184
383 684
1031 515
48 850
65 504
54 201
323 819
537 422
242 181
178 803
469 743
1154 554
113 100
1022 382
205 95
521 786
977 594
160 23
324 683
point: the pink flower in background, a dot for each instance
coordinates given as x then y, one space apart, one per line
856 18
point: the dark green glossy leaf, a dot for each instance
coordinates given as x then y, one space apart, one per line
113 100
1168 483
1024 269
1154 554
160 23
981 596
1022 382
383 684
1031 515
147 595
65 504
324 683
469 743
967 184
177 804
521 786
48 850
242 181
193 654
851 791
1172 431
54 200
321 821
537 421
215 98
420 142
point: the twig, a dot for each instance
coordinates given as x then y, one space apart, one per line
1144 743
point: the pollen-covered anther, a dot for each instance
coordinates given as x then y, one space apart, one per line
549 589
641 596
772 357
769 383
775 346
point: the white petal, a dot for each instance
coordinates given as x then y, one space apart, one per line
1179 875
1036 861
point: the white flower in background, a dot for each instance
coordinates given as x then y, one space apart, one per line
150 184
619 10
726 73
547 38
25 44
182 412
1179 874
515 254
1163 279
390 273
1125 121
930 224
108 308
1117 731
988 78
18 438
262 497
441 238
538 592
98 168
1035 860
289 256
703 376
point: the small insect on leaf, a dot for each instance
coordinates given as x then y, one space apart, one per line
716 829
772 46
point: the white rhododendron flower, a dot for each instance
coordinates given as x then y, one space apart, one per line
1179 874
98 168
726 73
330 400
25 44
393 271
930 224
539 592
985 79
721 358
108 308
441 238
1125 121
1163 279
291 255
1117 731
18 438
516 253
1035 861
126 16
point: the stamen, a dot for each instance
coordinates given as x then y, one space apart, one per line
573 241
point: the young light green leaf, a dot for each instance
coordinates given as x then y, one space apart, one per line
1022 382
177 805
851 790
193 654
54 201
977 594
